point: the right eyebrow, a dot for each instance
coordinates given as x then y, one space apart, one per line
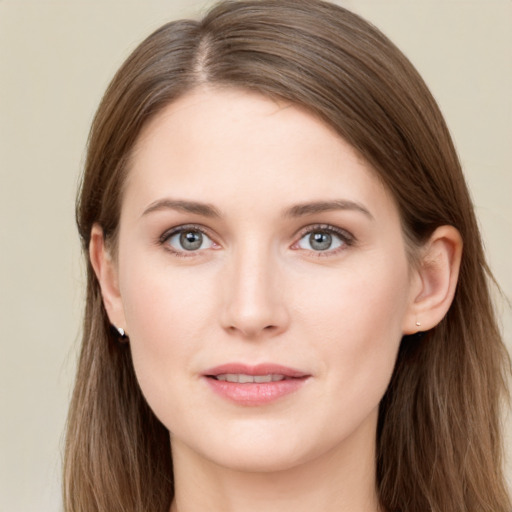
314 207
204 209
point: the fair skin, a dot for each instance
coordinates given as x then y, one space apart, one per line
251 233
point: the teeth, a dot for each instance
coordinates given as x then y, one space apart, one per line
263 378
242 378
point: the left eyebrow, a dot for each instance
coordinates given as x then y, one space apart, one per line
204 209
300 210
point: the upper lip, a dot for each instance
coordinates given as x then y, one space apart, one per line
259 369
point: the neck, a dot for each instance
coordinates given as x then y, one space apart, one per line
342 480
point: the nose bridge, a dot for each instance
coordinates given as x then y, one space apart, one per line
254 300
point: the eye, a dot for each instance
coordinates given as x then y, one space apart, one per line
324 239
187 239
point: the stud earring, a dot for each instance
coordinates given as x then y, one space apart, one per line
418 324
120 332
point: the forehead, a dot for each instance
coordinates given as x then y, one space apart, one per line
235 146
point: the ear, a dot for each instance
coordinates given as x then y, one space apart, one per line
106 272
434 281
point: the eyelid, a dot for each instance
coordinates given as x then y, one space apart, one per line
346 237
163 239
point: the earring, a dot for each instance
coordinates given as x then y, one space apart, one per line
418 324
120 332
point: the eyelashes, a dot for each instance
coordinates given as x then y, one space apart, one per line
320 240
187 240
324 239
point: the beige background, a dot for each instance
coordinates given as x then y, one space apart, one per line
56 58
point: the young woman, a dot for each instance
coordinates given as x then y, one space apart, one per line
287 298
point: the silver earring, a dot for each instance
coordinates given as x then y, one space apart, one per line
121 332
418 324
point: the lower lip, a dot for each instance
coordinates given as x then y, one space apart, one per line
260 393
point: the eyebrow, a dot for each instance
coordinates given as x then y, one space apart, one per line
298 210
204 209
304 209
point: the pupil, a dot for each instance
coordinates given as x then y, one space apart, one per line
191 240
320 241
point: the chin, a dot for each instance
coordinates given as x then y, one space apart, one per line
260 450
259 460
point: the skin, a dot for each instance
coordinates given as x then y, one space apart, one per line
259 291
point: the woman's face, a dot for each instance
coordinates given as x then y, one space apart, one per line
255 245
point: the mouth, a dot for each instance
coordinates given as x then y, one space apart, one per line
254 385
243 378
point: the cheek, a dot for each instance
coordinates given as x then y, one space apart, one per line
162 301
357 300
357 319
167 317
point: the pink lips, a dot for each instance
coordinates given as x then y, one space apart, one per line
272 382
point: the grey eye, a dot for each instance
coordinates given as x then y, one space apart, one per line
320 241
189 240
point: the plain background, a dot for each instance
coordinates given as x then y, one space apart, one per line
56 58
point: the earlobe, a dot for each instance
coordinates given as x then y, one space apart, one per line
105 269
435 281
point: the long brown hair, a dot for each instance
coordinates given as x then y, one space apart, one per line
439 443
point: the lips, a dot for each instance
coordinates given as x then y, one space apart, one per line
254 385
258 370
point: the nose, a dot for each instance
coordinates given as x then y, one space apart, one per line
254 305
